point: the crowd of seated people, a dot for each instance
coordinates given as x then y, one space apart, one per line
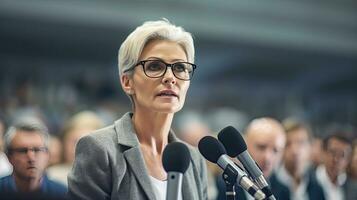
297 164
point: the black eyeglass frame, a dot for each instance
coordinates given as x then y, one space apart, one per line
142 63
25 150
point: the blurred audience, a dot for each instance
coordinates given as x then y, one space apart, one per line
295 171
26 145
5 166
351 183
79 125
191 128
332 173
316 151
56 150
265 138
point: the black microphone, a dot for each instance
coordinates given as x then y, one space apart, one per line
175 159
214 151
236 147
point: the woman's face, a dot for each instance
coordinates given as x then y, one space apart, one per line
165 94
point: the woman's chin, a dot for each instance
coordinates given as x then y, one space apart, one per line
169 109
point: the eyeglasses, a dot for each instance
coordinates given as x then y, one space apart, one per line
157 68
23 151
338 153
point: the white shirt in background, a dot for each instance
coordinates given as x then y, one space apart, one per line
299 193
331 191
160 188
5 166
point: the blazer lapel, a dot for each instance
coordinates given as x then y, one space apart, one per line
127 137
136 162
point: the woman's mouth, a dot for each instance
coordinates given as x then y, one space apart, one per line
167 93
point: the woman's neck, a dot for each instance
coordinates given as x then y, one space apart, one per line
152 129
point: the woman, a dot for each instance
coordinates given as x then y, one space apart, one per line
123 161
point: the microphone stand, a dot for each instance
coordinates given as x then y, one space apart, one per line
230 177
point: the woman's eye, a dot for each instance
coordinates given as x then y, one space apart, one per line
180 67
155 66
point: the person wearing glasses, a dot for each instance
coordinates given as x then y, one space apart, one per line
26 145
331 174
124 160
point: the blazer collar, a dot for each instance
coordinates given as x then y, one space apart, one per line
127 136
126 133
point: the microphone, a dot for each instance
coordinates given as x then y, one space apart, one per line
214 151
175 159
236 147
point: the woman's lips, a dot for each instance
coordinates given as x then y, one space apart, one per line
167 93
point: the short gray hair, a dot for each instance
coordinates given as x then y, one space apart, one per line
28 125
134 44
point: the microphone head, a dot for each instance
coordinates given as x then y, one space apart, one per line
211 148
176 157
232 141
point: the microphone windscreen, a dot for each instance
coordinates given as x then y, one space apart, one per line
211 148
232 141
176 157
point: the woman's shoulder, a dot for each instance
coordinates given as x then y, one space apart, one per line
104 134
104 137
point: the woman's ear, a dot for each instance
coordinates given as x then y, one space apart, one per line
126 84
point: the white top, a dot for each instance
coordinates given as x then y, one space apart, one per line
160 188
299 193
5 166
331 191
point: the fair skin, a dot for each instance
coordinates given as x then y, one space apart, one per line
353 163
28 167
55 151
70 142
265 140
2 130
316 151
153 113
297 153
336 157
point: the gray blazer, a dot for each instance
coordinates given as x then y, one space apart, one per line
109 165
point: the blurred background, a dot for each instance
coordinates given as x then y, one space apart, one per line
255 58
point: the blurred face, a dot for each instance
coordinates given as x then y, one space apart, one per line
336 157
2 130
28 155
55 150
164 94
71 141
193 133
297 151
266 149
353 164
316 152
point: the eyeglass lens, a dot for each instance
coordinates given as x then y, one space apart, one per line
157 68
25 150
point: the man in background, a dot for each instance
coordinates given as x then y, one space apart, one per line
265 138
331 174
26 145
296 172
